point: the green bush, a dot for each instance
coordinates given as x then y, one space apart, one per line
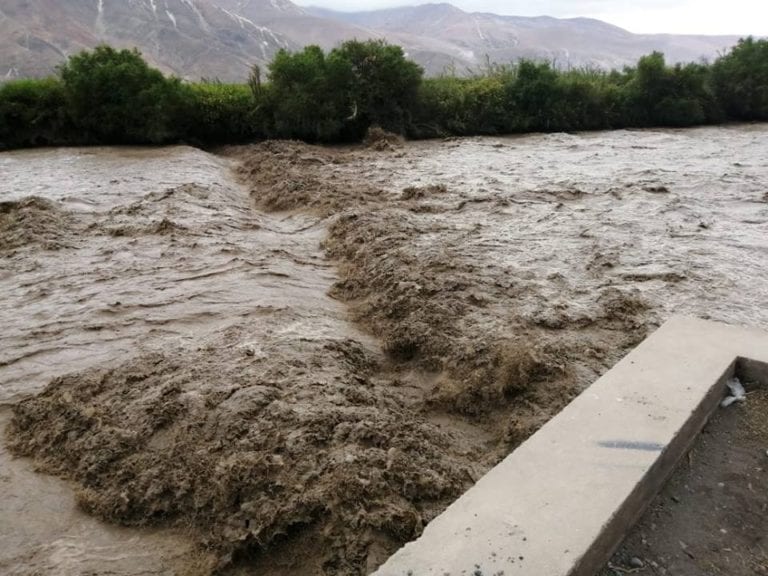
379 83
306 97
590 101
33 113
314 96
439 110
220 113
485 105
740 80
535 98
658 95
115 97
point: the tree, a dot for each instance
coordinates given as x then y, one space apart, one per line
533 96
740 80
304 97
254 81
338 96
115 97
381 85
32 113
669 96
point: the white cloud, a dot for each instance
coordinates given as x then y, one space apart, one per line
740 17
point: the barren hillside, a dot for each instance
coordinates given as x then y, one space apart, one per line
222 38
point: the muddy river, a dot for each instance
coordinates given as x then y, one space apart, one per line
283 359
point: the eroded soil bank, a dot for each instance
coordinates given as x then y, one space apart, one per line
302 364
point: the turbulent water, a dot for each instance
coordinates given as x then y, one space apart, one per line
122 251
680 215
138 246
113 254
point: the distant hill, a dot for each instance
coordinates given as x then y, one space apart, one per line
471 39
190 38
222 38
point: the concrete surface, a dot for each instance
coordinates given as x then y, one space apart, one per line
563 501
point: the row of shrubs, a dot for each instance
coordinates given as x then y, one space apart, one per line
109 96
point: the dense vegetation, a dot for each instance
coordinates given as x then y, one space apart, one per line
113 97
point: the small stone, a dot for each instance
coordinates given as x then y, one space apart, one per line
684 548
636 562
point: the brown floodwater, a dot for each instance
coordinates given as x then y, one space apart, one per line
107 254
146 245
139 250
681 215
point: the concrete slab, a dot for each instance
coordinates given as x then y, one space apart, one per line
563 501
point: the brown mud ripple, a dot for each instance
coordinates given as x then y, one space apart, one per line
289 175
318 441
267 432
411 278
32 221
314 453
247 449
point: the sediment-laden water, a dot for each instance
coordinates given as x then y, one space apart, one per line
297 356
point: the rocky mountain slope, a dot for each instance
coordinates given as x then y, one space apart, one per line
223 38
190 38
479 37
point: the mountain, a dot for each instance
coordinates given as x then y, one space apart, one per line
190 38
472 39
224 38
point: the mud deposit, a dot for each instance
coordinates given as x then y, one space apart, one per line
294 357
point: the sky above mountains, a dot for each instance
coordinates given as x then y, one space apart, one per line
738 17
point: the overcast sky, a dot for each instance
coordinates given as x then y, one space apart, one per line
674 16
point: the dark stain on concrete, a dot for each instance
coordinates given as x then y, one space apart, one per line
631 445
